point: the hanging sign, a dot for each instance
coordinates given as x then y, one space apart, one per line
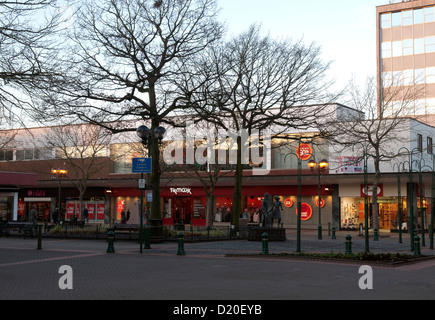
304 151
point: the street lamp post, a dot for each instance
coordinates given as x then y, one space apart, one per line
321 166
399 200
144 133
299 198
59 173
366 208
410 220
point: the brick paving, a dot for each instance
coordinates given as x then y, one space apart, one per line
204 273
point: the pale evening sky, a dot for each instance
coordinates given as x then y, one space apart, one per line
326 22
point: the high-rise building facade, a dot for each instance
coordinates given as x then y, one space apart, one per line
406 59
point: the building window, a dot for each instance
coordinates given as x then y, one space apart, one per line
429 14
430 106
418 45
387 79
396 19
385 20
418 16
419 142
430 75
429 145
408 48
407 17
386 50
397 48
430 44
397 78
408 77
6 155
419 76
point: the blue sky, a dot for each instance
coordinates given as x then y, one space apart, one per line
325 22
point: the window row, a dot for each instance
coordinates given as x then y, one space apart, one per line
50 153
408 77
417 107
407 47
407 17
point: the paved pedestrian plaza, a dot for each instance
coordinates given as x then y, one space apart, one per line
68 269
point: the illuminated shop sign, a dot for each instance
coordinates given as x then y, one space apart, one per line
304 151
181 190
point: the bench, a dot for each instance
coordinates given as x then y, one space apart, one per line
26 228
126 229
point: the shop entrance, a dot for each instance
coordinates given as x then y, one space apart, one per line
182 210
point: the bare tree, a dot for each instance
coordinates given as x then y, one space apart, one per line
257 83
125 56
376 125
81 147
27 42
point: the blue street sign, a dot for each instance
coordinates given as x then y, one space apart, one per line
141 165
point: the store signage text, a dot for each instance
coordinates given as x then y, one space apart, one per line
37 193
370 190
181 190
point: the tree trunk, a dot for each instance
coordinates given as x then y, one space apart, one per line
237 194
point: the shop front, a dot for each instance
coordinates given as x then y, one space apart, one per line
188 205
388 202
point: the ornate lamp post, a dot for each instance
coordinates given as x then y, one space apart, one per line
58 174
144 133
321 166
299 198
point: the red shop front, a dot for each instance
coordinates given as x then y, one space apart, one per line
187 205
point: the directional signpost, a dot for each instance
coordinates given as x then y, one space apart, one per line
142 165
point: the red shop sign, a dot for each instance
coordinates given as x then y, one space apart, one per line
304 151
322 202
288 202
307 212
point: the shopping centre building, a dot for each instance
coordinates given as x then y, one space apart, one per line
111 187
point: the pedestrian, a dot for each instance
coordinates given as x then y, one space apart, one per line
55 216
33 218
122 217
128 215
85 214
